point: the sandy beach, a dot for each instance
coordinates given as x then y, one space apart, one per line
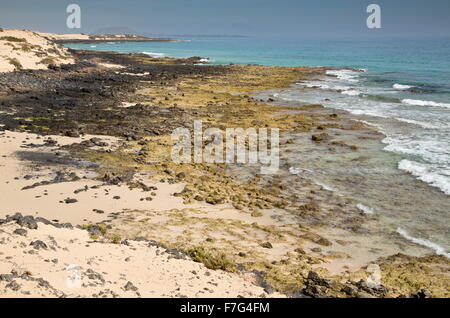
85 144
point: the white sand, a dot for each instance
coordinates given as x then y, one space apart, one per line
104 269
28 50
45 200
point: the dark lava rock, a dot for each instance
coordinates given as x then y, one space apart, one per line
114 179
13 285
60 177
424 293
319 137
130 287
146 188
16 217
28 222
199 198
261 281
316 287
181 175
6 277
370 290
169 172
70 200
42 220
81 190
98 142
21 232
94 230
131 136
72 133
266 245
215 200
38 244
63 225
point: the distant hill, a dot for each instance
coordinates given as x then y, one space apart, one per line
115 30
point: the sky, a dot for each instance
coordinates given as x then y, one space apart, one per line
292 18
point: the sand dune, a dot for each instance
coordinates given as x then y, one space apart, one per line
62 262
71 36
22 49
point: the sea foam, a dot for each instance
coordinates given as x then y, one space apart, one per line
418 123
437 248
326 186
346 75
426 174
352 92
401 87
365 209
418 102
154 54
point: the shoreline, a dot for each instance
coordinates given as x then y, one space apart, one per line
385 157
96 41
96 38
180 88
422 200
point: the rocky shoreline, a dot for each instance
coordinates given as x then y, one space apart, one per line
98 39
110 116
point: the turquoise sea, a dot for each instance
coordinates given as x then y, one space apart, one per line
401 86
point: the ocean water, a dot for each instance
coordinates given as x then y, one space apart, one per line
401 86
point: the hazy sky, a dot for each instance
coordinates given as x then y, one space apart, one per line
244 17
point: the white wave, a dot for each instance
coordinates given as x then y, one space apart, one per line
154 54
203 61
401 87
426 174
299 171
437 248
326 186
93 46
293 170
328 85
352 92
316 85
418 123
365 209
432 149
345 75
378 127
369 112
418 102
